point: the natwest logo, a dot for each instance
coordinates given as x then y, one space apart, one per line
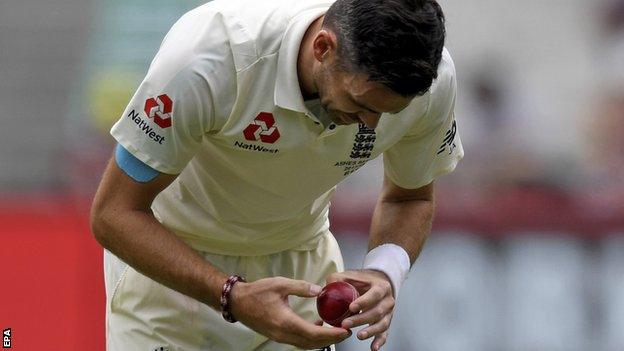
263 127
160 110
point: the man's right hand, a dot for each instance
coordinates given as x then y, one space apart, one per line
263 306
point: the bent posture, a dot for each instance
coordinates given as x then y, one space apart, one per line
216 201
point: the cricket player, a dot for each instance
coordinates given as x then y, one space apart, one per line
214 208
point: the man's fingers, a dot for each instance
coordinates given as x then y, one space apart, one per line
299 287
354 278
379 341
370 316
332 278
375 329
311 334
368 300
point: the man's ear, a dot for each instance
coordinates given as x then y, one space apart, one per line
324 45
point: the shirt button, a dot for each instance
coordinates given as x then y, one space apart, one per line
332 126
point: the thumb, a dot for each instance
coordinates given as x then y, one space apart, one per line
301 288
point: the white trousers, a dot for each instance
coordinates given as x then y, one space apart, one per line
143 315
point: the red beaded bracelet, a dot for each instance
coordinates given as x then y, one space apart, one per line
225 297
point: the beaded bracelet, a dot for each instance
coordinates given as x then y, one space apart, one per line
225 297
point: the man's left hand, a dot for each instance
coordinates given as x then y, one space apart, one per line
374 306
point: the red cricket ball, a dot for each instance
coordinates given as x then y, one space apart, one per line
334 300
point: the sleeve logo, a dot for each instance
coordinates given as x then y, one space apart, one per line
159 109
262 127
449 140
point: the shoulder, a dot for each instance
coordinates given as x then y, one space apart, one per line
224 31
434 108
443 91
259 27
198 40
446 82
242 31
196 56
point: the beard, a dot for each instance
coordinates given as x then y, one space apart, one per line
321 81
326 102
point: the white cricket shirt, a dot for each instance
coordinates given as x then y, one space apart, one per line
221 105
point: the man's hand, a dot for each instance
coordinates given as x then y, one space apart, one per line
374 306
263 306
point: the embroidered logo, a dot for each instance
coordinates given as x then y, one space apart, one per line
362 149
262 127
364 142
449 140
159 109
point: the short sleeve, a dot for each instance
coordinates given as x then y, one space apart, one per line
164 122
172 109
432 147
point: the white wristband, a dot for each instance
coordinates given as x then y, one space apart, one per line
391 259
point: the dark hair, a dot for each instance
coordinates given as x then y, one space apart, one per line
397 43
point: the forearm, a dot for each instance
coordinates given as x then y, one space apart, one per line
141 241
402 218
404 222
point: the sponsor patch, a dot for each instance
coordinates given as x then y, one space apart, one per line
145 127
160 109
262 128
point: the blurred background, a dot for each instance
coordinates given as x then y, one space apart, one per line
527 250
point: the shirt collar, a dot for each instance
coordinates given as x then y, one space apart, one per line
287 91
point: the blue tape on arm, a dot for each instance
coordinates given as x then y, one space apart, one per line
134 167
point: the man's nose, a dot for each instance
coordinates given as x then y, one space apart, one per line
370 119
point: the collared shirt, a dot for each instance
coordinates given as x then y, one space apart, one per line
221 106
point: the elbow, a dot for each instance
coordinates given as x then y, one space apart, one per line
99 226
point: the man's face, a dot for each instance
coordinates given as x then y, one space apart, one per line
350 98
